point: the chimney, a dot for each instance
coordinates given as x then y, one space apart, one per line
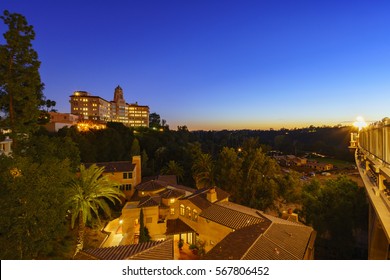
137 176
212 195
290 215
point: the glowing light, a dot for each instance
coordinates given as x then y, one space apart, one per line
86 126
360 123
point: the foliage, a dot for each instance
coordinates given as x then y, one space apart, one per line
88 194
154 120
143 230
229 172
202 170
135 148
336 208
173 168
32 199
180 244
20 82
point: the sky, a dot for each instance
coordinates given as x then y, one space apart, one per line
216 65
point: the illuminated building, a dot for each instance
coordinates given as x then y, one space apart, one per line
372 144
94 108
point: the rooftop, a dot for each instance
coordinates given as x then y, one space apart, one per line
157 250
114 166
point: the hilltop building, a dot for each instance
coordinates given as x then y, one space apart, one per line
94 108
60 120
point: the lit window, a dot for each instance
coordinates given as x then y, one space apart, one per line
195 215
172 200
172 211
182 210
188 212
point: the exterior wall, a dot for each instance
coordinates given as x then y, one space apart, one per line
60 120
378 245
90 107
130 217
211 233
138 115
373 161
320 166
5 146
137 174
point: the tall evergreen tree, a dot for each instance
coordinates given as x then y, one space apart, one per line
143 230
20 82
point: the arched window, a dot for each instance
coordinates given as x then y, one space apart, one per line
182 210
188 212
195 215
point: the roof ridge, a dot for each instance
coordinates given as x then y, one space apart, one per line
253 244
157 244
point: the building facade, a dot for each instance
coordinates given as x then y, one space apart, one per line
5 146
224 229
372 157
94 108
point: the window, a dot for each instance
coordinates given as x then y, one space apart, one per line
195 215
172 211
182 210
172 200
127 175
188 212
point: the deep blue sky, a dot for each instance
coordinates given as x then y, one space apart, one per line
219 64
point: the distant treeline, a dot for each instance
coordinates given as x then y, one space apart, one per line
330 141
157 148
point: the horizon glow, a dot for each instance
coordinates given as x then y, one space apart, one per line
216 65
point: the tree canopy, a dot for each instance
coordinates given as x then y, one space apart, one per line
20 82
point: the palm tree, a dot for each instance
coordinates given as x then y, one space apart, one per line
87 195
173 168
202 171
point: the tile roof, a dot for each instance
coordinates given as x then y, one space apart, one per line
162 250
273 238
149 201
265 249
170 179
200 202
177 226
237 243
172 193
151 186
229 217
114 166
292 238
221 194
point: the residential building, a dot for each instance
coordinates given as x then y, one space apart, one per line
319 166
226 230
60 120
94 108
6 146
126 173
